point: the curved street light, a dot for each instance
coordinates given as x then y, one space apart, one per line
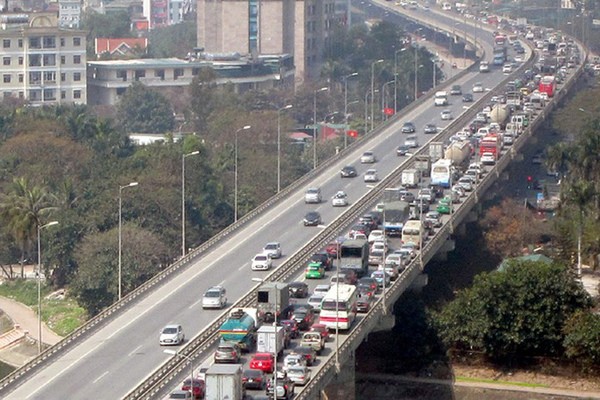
132 184
39 280
235 174
183 157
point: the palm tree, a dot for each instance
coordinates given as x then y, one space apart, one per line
22 211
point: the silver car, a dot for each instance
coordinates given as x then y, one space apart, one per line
273 249
171 335
214 297
299 374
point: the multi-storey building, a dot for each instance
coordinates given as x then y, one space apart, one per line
156 12
69 13
298 27
42 63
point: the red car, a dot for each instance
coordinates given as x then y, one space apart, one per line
263 361
322 329
197 385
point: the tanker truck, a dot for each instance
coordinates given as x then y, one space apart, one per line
458 153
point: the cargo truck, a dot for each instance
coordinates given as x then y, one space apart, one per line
499 115
273 300
239 328
268 339
490 144
410 178
436 151
458 153
423 164
396 213
224 381
499 55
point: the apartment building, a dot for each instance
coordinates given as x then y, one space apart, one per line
69 13
42 63
297 27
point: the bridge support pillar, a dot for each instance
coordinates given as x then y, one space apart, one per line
342 386
419 283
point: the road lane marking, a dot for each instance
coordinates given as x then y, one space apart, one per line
100 377
134 350
194 304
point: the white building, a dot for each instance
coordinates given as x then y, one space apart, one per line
69 13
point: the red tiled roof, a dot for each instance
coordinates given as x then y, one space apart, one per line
120 45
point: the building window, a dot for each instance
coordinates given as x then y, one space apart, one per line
6 60
6 78
20 43
6 43
140 73
62 42
63 76
20 78
76 94
21 95
177 72
35 77
63 60
76 59
49 95
49 59
49 76
49 42
77 76
160 73
20 60
122 75
121 91
35 60
63 94
34 43
7 95
76 41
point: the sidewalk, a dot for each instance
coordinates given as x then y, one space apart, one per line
25 320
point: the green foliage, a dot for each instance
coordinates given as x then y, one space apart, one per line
511 315
144 110
113 25
172 41
582 339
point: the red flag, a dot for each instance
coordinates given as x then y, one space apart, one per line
388 111
352 133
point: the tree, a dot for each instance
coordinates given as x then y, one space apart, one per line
113 25
514 314
144 110
172 41
203 98
22 211
96 283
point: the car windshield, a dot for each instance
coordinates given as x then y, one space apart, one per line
271 246
260 258
252 373
212 293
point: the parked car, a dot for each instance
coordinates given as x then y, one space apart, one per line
368 157
261 262
254 379
298 289
312 218
273 249
171 334
214 297
348 172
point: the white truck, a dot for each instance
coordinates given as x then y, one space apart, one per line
441 98
411 178
224 381
436 151
268 339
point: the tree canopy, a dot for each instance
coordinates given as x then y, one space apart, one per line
144 110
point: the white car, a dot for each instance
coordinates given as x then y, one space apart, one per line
378 245
171 335
411 142
261 262
394 259
340 199
292 360
446 115
478 87
368 157
323 288
273 249
300 375
488 158
507 68
215 297
371 175
315 301
466 183
376 235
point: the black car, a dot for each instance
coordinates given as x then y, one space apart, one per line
402 150
377 216
298 289
348 172
456 90
363 304
323 258
467 98
308 352
437 190
430 128
408 127
304 316
254 379
312 218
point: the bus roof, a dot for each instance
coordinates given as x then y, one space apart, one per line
340 291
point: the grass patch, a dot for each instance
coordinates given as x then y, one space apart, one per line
62 316
523 384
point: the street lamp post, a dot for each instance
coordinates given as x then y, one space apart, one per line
235 173
315 125
367 110
346 106
373 88
276 350
396 78
183 157
175 353
434 61
383 98
279 145
121 235
39 280
416 70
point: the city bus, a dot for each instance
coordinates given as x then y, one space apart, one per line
441 173
354 254
338 307
413 232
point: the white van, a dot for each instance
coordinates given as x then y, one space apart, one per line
413 232
441 98
446 6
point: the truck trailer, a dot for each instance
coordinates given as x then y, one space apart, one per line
224 381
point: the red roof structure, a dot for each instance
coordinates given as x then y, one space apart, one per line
121 46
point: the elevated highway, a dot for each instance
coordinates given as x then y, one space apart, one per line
119 351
